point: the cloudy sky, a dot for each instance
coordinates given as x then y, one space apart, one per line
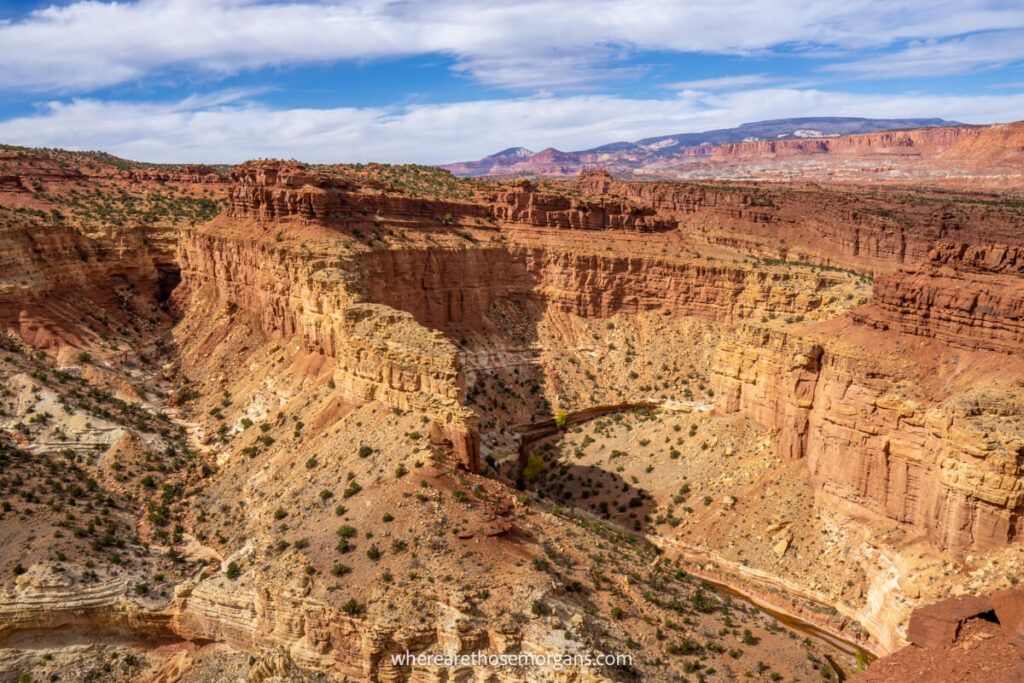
443 80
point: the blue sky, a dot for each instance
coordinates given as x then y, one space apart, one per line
445 80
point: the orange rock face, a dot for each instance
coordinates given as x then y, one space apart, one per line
968 296
947 463
44 265
996 148
380 353
938 460
523 204
869 230
266 192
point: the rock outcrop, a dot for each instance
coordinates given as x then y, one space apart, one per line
937 625
522 203
269 191
972 638
257 618
868 231
56 279
968 296
195 174
949 466
380 353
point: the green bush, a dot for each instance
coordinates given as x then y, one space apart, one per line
534 467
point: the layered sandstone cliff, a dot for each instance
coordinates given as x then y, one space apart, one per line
593 284
266 192
259 616
273 191
968 296
523 204
949 464
992 149
56 279
869 231
380 353
454 288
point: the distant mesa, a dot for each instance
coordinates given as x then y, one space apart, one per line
833 148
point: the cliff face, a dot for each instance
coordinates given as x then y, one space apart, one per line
948 466
454 288
596 285
525 205
267 192
270 191
975 148
901 142
868 231
379 353
56 280
964 295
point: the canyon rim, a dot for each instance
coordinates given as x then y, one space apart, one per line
743 402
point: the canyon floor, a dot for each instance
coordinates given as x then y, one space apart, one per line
286 422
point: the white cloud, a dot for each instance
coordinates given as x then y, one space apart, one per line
724 82
226 130
943 57
511 43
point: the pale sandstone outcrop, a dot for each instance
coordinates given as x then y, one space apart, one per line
257 618
43 598
380 353
950 468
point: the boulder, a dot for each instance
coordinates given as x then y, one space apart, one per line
937 625
1009 607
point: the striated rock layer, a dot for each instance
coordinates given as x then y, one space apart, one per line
258 617
949 464
867 230
380 353
968 296
55 279
988 150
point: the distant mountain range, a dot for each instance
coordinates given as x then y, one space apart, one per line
627 158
